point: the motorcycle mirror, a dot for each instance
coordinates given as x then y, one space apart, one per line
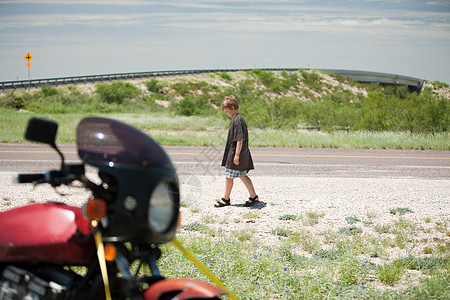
43 131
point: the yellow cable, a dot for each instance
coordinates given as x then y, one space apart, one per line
101 259
203 268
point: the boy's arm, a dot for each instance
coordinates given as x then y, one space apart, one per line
238 152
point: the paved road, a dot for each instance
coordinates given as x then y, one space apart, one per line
302 162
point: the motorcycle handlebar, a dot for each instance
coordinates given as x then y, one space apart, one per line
57 177
27 178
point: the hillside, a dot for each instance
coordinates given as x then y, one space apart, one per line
303 99
303 84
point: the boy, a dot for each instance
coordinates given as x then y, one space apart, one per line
237 159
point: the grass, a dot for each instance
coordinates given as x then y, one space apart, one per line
331 263
167 129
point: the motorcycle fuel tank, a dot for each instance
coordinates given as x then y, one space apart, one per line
45 232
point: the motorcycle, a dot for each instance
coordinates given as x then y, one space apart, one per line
108 248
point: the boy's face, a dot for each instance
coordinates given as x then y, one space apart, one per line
230 112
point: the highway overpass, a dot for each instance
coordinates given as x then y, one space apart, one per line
413 84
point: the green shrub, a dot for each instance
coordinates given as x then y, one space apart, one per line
225 76
265 77
287 217
191 106
154 85
352 230
352 220
390 274
400 210
181 88
423 263
116 92
12 99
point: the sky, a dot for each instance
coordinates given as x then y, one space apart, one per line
89 37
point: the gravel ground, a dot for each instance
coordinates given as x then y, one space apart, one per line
335 198
369 199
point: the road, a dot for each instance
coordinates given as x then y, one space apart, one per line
292 162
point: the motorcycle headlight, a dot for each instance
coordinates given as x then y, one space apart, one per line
162 208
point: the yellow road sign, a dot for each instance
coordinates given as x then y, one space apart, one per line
28 57
28 65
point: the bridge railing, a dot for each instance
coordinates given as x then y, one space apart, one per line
414 84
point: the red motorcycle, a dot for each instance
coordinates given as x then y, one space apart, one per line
55 251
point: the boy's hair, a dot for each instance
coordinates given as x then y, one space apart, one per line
229 102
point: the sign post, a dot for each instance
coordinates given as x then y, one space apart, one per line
28 58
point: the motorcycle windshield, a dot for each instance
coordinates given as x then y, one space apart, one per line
106 142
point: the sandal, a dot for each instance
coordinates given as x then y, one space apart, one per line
251 201
222 202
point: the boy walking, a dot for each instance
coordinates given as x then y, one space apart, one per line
237 159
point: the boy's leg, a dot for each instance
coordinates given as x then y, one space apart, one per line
225 201
228 187
249 185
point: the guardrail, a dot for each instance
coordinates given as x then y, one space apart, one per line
414 84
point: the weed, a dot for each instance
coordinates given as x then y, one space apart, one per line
6 201
196 227
288 217
306 239
282 232
443 226
208 219
371 214
390 274
251 215
350 230
312 218
354 271
385 228
352 220
427 250
401 211
327 254
243 235
195 209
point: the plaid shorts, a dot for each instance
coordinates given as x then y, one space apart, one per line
229 173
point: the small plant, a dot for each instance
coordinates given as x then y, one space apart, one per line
352 230
312 218
225 76
353 271
208 219
400 210
401 240
306 239
281 232
7 201
243 235
390 274
371 214
327 254
31 201
423 263
443 226
428 250
195 209
385 228
196 227
251 215
352 220
403 223
288 217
